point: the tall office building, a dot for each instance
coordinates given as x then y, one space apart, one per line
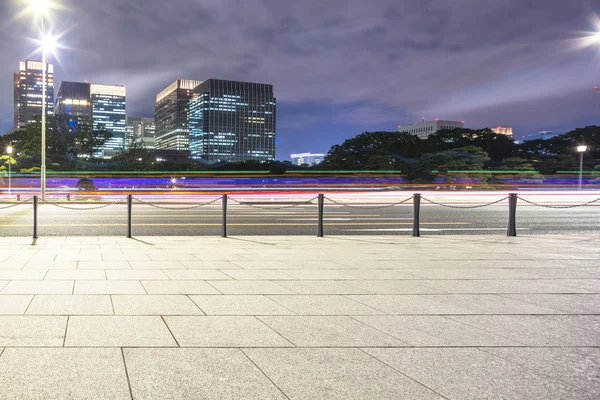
108 108
424 129
28 84
232 121
172 115
503 130
74 99
140 130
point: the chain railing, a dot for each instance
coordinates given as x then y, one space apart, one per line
416 198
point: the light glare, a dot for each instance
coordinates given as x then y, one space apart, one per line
39 6
581 149
9 149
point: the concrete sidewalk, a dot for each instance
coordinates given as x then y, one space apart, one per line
386 317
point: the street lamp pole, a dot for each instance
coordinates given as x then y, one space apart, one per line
581 150
9 151
44 66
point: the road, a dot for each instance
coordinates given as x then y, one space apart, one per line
279 215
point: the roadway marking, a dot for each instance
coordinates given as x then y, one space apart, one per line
431 229
242 224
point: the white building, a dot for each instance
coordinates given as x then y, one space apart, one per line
424 129
503 130
307 158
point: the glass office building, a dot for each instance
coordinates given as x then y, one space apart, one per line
74 99
140 130
232 121
172 115
108 108
28 84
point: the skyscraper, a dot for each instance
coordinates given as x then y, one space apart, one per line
108 108
28 92
172 120
141 130
74 99
232 121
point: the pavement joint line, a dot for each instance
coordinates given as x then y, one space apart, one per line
28 305
112 304
276 332
262 372
66 329
126 374
196 304
401 373
379 330
169 328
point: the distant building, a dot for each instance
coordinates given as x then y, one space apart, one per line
172 115
541 135
74 99
140 130
424 129
108 108
503 130
28 84
307 158
232 121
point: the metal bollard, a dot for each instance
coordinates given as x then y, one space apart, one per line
68 196
224 226
321 206
35 210
18 197
129 207
512 214
417 211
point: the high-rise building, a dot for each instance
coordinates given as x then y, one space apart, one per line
232 121
28 82
108 109
424 129
307 158
172 119
503 130
140 130
74 99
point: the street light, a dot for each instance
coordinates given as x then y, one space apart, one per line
9 151
581 149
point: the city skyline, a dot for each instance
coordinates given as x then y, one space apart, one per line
462 65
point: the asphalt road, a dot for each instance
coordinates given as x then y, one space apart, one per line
260 218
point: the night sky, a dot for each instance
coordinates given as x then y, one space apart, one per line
339 67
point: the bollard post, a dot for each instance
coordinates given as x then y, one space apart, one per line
512 214
68 196
224 226
129 207
35 210
320 223
417 211
18 197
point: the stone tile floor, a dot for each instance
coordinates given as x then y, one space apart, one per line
385 317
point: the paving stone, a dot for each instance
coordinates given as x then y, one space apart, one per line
249 287
223 331
320 274
186 274
335 374
565 303
407 304
323 305
32 331
329 331
156 265
239 305
325 287
473 374
118 331
45 265
179 287
103 265
63 274
22 275
257 274
196 374
48 374
38 287
14 304
135 275
68 304
225 265
434 331
108 287
154 305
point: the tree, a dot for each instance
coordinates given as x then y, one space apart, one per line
135 158
89 140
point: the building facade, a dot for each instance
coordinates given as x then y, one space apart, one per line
74 99
28 83
503 130
140 130
424 129
307 158
172 115
232 121
108 108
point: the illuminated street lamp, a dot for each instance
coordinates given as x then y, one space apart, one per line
9 151
581 150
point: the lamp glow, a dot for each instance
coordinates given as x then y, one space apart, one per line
9 149
581 149
39 5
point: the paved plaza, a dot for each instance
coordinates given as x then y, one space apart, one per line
298 317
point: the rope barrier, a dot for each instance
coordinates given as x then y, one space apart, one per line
370 207
16 204
178 208
82 208
466 207
275 208
551 206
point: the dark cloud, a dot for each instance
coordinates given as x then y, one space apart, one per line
381 62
